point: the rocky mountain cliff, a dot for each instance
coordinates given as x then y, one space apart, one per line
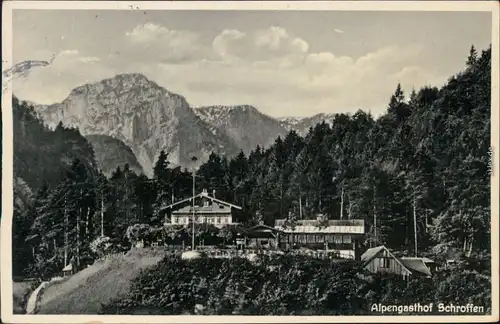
141 114
244 124
111 153
302 124
147 118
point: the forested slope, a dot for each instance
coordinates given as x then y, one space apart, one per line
427 158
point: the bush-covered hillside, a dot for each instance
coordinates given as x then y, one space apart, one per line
286 285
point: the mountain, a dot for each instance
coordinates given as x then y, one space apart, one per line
289 122
144 116
244 124
111 153
302 124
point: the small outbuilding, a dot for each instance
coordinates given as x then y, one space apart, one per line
67 270
380 260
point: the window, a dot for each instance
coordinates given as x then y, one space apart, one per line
338 239
346 239
384 262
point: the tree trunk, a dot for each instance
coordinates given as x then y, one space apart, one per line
342 202
426 221
470 246
281 199
300 204
65 233
102 215
349 208
407 227
87 223
415 224
375 215
78 238
78 219
319 206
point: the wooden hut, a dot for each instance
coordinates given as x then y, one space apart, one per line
380 260
67 270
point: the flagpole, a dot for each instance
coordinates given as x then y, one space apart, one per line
193 159
192 247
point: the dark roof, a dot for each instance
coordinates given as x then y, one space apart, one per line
259 230
211 208
205 195
331 222
351 226
417 265
261 226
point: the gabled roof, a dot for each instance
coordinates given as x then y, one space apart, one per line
213 208
424 259
372 253
416 264
69 267
351 226
203 194
261 226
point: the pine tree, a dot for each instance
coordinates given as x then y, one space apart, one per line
472 58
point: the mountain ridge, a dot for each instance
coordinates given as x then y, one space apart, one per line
245 124
148 118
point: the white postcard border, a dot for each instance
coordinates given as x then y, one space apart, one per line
7 149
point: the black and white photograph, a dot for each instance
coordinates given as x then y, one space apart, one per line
249 161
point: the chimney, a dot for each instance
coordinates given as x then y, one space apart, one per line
213 193
204 192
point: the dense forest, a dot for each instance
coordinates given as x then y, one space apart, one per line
428 158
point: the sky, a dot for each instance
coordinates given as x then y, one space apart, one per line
285 63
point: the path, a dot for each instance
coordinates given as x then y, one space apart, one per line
33 299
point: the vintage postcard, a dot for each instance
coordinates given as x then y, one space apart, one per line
250 162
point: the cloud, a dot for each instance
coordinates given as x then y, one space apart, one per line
273 45
68 52
158 43
339 31
53 83
150 32
270 68
322 83
89 59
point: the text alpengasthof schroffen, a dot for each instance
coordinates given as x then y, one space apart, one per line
427 308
